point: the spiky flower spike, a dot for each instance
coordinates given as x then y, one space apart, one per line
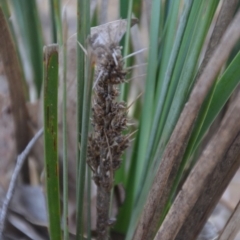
109 119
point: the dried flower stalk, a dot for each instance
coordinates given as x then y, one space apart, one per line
109 119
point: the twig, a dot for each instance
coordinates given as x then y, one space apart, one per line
20 160
176 147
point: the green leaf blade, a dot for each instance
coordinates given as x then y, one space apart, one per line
51 139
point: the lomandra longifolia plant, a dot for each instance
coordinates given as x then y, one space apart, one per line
109 120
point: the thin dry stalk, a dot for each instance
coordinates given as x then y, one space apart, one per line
15 83
20 160
224 18
218 180
107 143
232 227
218 152
173 154
211 193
